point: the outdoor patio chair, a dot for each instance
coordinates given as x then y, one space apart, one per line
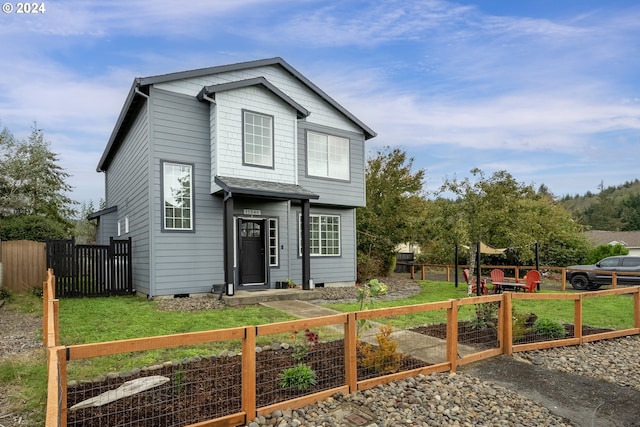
497 276
533 278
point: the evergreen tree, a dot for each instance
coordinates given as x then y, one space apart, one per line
33 191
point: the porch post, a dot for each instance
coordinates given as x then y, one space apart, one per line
228 240
306 243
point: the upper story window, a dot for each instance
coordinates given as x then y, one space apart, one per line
258 139
177 196
327 156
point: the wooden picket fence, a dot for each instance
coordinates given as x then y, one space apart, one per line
454 355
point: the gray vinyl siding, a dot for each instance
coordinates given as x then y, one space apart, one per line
334 192
192 261
127 184
108 227
327 269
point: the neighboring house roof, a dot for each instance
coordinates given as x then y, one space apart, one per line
99 213
629 239
253 187
137 96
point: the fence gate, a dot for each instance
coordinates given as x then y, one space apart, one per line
91 270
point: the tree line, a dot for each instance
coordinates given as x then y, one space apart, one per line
495 209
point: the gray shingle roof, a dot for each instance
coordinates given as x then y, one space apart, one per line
253 187
630 239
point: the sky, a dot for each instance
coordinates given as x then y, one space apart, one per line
548 90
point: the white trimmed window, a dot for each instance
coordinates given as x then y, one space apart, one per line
177 196
325 235
273 242
327 156
258 139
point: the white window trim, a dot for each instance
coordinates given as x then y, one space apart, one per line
327 160
191 197
276 246
320 254
244 140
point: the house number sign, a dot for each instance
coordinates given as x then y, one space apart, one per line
252 212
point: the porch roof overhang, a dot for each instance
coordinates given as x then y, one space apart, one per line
266 189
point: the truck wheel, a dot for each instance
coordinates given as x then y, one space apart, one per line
580 282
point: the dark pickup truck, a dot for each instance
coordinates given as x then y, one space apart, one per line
600 273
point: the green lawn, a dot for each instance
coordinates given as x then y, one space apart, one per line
92 320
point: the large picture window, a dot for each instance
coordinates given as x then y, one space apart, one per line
258 139
327 156
325 235
177 196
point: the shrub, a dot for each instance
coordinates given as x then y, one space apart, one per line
301 377
549 328
519 325
486 316
384 358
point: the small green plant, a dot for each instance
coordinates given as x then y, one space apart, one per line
549 328
37 292
290 283
519 326
384 358
367 293
303 344
486 316
301 377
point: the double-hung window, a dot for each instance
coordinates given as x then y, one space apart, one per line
177 196
258 139
327 156
325 235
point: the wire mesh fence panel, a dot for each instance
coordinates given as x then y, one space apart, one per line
192 385
542 320
299 362
401 342
478 327
607 313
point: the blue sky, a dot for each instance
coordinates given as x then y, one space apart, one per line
547 90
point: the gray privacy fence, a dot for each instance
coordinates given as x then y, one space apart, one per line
91 270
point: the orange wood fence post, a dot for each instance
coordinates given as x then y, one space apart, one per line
508 324
577 318
249 373
350 361
452 335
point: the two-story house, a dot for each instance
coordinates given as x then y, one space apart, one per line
238 175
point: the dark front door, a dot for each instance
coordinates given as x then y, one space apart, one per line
252 252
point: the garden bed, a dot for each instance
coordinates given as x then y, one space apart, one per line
201 389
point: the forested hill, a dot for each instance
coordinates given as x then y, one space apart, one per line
612 209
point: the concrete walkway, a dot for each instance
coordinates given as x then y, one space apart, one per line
419 346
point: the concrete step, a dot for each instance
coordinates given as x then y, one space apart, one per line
267 295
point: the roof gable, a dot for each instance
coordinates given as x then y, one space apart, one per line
139 92
208 91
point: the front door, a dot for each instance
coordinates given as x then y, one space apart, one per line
252 250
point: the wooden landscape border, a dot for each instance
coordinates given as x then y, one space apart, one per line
58 355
